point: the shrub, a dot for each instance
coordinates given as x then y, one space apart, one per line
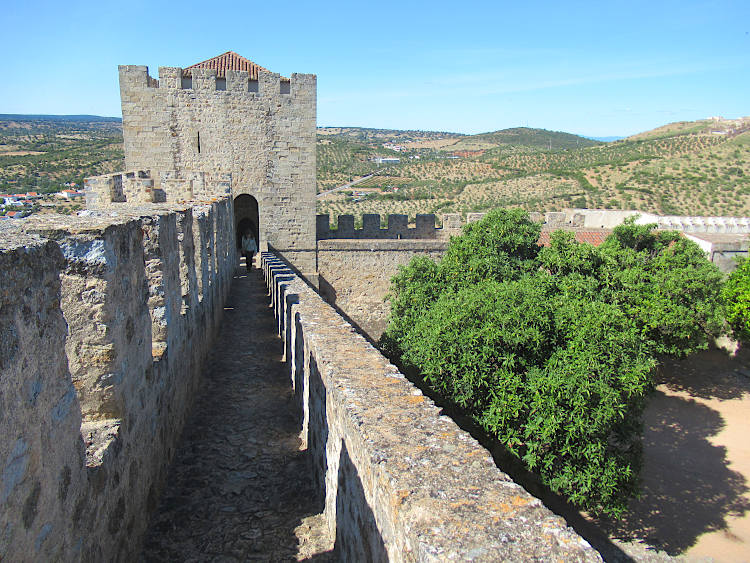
551 351
736 297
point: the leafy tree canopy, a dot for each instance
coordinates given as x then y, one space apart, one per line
551 350
736 296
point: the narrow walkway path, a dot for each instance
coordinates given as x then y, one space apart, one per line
239 488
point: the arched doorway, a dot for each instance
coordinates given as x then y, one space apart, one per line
245 217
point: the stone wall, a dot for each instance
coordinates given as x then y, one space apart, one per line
105 321
397 480
397 227
355 275
261 132
138 186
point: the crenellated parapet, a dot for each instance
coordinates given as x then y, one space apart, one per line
229 83
139 187
610 218
718 225
106 320
397 227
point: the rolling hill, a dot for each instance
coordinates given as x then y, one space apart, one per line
687 168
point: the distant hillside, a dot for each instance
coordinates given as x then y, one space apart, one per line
536 138
369 135
606 139
51 126
43 152
42 117
688 168
712 126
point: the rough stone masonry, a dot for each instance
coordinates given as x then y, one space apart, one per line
105 322
212 119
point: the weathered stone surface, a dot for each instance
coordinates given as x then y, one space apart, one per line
102 340
41 450
355 275
401 481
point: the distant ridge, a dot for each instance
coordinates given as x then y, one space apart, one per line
45 117
532 137
605 139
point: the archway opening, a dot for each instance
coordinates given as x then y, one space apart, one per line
246 218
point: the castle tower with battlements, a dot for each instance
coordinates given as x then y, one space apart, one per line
228 124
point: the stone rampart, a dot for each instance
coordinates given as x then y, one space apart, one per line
138 187
355 275
105 321
398 481
397 228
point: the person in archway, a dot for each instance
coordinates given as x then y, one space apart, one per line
249 248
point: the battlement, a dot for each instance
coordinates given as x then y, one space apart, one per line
137 187
610 218
575 219
201 80
398 227
105 323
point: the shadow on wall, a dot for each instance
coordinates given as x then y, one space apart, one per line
356 529
329 295
688 488
327 291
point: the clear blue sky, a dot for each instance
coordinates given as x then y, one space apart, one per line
600 68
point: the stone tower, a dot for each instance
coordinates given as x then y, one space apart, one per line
228 116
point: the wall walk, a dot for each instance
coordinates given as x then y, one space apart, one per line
239 487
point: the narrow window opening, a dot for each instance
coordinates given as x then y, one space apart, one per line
187 83
285 86
252 86
199 142
221 83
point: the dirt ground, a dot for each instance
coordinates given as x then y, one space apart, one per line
696 478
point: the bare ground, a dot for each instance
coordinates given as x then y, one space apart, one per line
695 503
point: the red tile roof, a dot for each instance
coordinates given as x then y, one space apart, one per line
227 61
594 238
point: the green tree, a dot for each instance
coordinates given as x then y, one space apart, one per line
736 297
552 350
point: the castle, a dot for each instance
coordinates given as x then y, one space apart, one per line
106 320
225 126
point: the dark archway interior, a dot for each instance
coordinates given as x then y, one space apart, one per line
245 217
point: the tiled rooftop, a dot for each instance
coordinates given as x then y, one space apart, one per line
594 238
227 61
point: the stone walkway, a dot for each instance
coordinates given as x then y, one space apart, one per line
238 489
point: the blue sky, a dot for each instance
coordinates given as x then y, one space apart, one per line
594 68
